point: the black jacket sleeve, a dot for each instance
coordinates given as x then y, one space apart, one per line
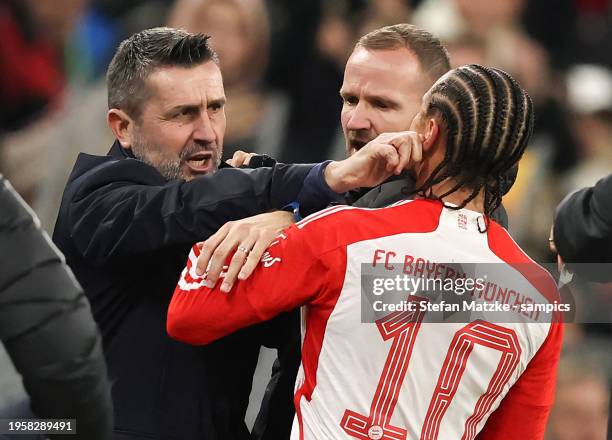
126 208
583 231
47 327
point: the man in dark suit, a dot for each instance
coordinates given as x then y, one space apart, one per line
128 219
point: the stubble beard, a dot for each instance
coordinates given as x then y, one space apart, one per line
168 164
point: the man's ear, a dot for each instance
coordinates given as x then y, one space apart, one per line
122 126
431 133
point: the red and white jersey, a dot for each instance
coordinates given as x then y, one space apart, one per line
391 379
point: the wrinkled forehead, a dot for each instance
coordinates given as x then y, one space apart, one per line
180 83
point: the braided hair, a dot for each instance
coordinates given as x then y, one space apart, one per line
488 119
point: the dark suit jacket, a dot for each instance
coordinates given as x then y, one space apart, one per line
583 231
126 233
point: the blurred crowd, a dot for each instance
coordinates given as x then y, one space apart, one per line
282 64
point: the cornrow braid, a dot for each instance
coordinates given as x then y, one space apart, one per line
488 120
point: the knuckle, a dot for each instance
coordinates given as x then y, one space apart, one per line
242 228
238 256
214 265
214 262
223 250
217 257
255 255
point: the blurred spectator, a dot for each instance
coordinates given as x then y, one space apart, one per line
580 411
492 33
544 20
30 63
293 27
313 122
39 157
484 16
90 47
134 15
589 90
593 31
466 49
51 50
83 37
379 13
44 44
497 28
313 132
240 35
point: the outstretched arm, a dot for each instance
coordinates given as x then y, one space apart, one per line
291 272
120 213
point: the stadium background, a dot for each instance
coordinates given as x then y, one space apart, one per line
282 62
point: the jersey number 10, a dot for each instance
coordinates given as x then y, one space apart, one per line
403 328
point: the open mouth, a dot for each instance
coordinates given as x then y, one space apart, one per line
201 162
357 144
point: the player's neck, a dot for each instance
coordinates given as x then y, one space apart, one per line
457 197
431 160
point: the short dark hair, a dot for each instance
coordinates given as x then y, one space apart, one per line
432 56
144 52
488 120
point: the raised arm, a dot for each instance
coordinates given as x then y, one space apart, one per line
126 208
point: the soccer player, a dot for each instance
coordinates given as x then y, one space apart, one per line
402 377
